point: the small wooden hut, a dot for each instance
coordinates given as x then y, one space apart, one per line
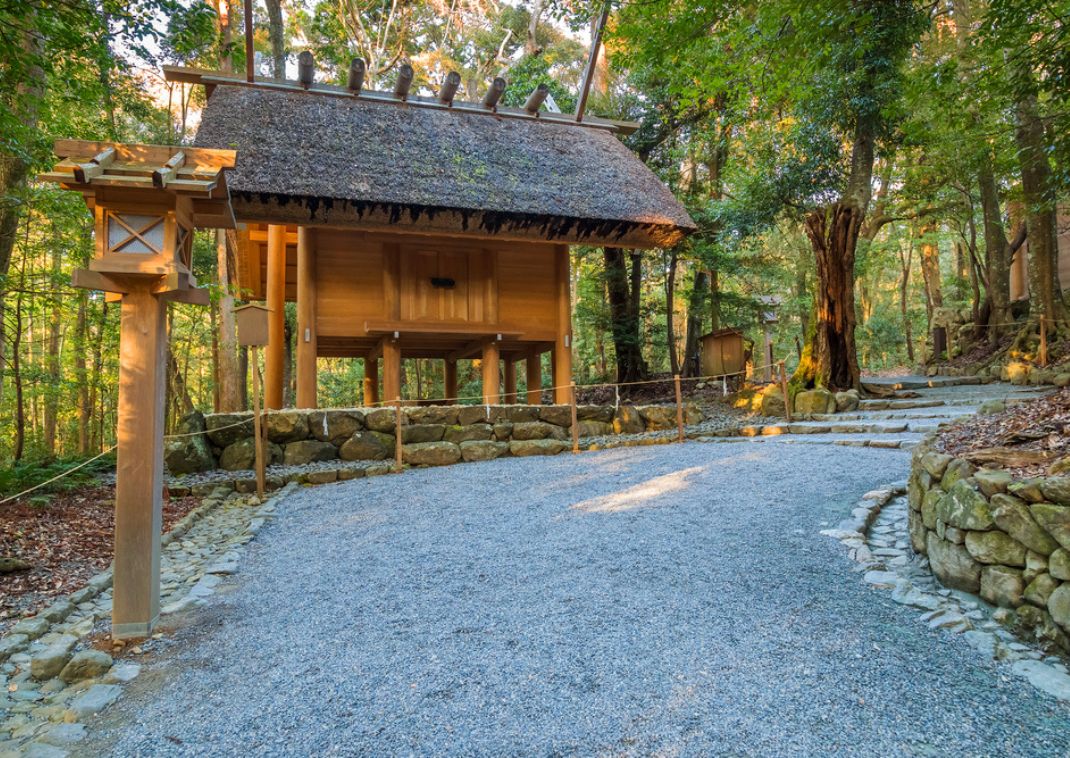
409 227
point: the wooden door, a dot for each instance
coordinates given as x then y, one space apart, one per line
444 282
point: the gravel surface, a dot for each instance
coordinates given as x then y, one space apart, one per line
675 599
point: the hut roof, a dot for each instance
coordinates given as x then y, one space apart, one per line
306 158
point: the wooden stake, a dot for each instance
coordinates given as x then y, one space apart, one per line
258 435
784 389
1043 342
575 417
679 409
397 436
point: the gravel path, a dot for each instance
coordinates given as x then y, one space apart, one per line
673 600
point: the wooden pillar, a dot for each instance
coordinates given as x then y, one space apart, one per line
391 370
534 376
306 318
562 352
371 381
491 376
510 379
274 353
451 381
139 470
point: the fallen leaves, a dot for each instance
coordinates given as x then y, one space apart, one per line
1025 438
64 544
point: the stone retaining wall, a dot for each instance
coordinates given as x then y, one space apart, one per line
1006 539
431 435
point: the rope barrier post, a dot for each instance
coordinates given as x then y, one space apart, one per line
575 421
1043 342
397 436
258 436
784 389
679 409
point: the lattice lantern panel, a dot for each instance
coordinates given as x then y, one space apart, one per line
135 234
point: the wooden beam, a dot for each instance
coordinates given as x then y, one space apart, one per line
450 381
83 278
139 466
198 158
562 352
491 373
274 354
437 328
306 318
86 172
473 348
371 381
533 366
510 379
192 75
377 352
168 171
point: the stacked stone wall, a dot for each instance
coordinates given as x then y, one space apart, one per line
1005 539
431 435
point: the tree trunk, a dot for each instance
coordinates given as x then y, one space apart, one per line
1038 191
670 297
830 359
81 347
52 362
696 307
997 252
229 372
277 35
624 315
904 288
930 269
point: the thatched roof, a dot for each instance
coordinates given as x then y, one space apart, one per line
307 158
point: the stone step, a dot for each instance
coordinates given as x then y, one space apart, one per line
814 427
899 405
941 415
891 442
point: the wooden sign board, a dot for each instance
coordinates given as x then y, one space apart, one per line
252 323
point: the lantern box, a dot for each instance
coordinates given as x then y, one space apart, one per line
143 238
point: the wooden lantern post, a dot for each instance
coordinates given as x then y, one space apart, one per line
252 321
146 202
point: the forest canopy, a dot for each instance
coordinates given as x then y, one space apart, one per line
863 170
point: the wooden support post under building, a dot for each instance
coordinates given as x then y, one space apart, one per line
561 357
306 318
491 373
391 370
510 380
371 381
139 473
451 382
274 354
534 377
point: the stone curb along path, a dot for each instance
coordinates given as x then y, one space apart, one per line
52 682
877 539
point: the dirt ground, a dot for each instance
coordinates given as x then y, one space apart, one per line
64 543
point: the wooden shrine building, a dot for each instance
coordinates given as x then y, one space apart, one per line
417 227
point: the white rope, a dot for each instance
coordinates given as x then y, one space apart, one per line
83 464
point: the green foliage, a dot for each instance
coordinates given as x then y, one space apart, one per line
23 476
